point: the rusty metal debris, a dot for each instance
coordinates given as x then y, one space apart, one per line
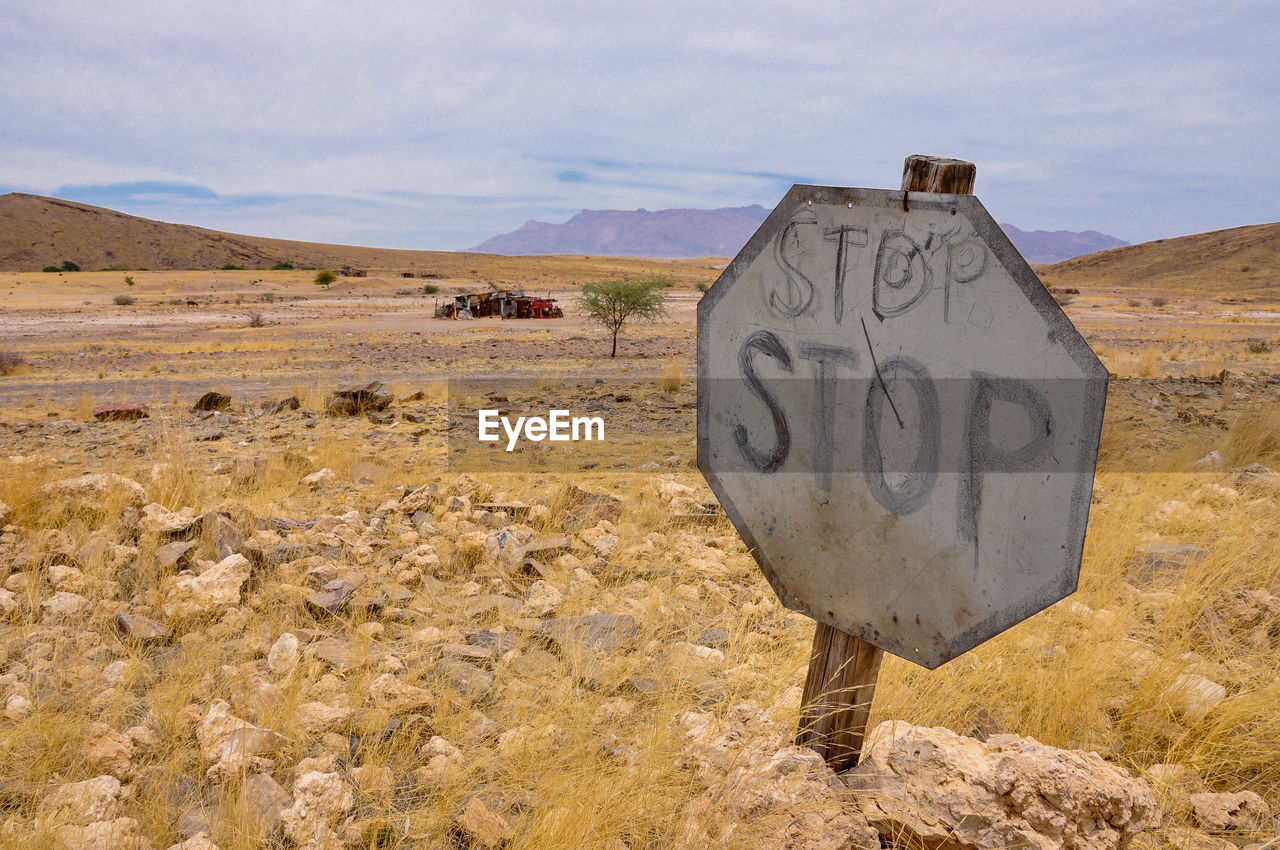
503 303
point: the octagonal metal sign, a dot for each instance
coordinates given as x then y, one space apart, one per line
898 418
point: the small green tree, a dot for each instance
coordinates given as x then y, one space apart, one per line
324 277
613 303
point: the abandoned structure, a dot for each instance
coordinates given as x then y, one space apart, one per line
504 303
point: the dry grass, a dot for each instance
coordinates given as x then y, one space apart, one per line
672 377
596 769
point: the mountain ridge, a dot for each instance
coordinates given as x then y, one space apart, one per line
721 232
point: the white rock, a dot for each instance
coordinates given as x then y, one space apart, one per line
199 841
319 801
1193 696
318 479
937 786
224 737
85 802
396 696
283 656
63 607
117 834
8 602
541 600
91 493
16 707
157 519
216 588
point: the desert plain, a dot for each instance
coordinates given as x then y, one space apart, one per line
264 625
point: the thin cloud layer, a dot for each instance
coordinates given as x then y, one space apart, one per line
436 126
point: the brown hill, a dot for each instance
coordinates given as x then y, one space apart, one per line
1239 261
36 231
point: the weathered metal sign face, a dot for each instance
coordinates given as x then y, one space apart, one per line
898 418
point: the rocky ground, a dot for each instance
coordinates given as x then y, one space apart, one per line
256 625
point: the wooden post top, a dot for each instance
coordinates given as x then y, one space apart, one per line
938 174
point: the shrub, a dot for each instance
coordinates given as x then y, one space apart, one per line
128 280
124 300
703 286
10 362
324 277
613 302
257 320
232 267
1259 346
282 267
53 268
268 297
1134 302
68 266
1159 301
430 289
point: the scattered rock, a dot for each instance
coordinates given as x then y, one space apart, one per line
283 656
245 469
117 834
212 401
121 411
343 655
1193 696
763 791
231 743
85 802
465 678
333 598
319 801
108 751
397 696
141 629
92 493
541 600
601 632
1160 561
477 825
320 478
213 590
199 841
175 556
16 707
356 401
265 799
1244 811
290 403
227 539
63 607
933 787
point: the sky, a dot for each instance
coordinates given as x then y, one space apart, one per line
436 125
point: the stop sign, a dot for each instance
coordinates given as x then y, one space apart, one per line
898 418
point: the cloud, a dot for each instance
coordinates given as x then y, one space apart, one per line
1082 115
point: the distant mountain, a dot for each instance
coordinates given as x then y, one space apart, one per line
720 233
635 233
1053 246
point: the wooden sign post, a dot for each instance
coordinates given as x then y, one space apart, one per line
842 669
902 425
